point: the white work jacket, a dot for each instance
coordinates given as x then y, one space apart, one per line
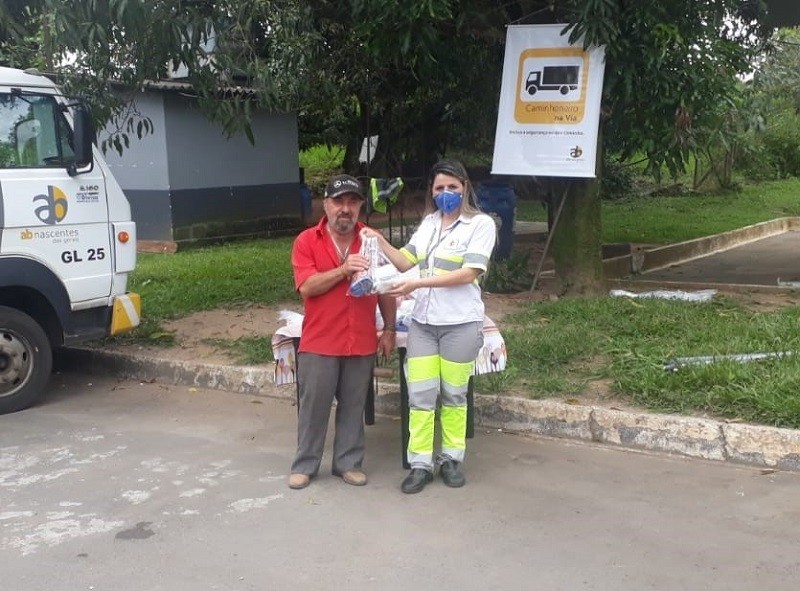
468 242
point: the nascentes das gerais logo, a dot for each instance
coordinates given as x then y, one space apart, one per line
54 208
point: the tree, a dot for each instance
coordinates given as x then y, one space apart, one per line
774 94
106 51
407 71
668 64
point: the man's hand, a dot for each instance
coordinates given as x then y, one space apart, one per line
386 343
353 264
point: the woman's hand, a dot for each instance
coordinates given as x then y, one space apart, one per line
402 287
389 251
369 233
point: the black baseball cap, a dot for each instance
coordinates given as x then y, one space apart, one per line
343 184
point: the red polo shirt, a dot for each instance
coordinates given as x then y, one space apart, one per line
335 323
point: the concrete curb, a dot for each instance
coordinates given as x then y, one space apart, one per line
660 257
754 445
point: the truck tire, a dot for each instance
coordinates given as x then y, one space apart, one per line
26 360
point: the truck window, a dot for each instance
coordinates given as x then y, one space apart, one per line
33 132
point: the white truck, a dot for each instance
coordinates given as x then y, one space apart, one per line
67 240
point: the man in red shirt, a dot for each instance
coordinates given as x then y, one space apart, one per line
339 337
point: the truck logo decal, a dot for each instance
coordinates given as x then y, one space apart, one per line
552 86
56 236
54 209
564 79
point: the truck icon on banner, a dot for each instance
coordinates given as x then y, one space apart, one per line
560 78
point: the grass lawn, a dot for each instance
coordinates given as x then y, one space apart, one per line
559 348
665 220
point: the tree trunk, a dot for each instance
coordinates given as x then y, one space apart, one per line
577 239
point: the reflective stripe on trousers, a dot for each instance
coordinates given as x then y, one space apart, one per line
440 358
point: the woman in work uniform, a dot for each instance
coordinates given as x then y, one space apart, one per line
451 247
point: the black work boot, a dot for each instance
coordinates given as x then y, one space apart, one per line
451 475
416 480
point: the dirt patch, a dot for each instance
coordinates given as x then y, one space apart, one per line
194 335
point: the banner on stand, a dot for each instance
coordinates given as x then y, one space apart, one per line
549 110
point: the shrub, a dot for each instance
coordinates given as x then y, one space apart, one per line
782 142
509 276
618 179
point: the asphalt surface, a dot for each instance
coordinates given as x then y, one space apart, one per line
159 483
125 485
765 262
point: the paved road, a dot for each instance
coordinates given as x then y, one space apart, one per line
128 486
762 262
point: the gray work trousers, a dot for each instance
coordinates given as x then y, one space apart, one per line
321 379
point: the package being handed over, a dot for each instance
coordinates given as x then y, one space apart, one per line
377 278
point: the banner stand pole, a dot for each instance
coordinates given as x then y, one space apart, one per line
550 233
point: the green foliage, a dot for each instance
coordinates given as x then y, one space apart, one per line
106 52
781 141
618 179
424 75
531 211
320 162
666 64
404 71
774 109
509 276
19 47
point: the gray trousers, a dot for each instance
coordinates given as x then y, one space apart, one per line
321 379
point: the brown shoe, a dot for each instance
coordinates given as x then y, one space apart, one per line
297 481
354 477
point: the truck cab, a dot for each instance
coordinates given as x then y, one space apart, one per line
563 78
67 240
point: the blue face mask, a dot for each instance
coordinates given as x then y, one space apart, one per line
448 201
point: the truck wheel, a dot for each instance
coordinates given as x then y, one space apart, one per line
26 360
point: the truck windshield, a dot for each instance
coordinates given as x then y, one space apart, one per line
33 132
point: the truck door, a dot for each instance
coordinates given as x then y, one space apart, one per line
46 214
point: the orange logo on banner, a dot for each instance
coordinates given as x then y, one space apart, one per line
551 86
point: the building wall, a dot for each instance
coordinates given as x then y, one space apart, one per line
214 178
142 172
188 181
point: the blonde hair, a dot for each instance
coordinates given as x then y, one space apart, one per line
454 168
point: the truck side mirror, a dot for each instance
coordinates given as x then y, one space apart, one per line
83 138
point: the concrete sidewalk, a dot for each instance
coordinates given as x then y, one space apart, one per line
765 447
